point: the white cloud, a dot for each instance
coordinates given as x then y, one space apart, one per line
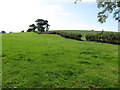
16 13
56 7
67 14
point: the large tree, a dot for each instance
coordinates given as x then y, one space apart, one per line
111 7
42 25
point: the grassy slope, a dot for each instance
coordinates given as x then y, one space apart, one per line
33 60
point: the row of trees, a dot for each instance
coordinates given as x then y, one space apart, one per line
41 25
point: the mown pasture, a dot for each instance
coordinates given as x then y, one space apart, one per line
31 60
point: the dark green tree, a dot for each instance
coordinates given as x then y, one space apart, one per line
29 30
41 25
33 27
3 32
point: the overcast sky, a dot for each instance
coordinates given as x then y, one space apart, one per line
17 15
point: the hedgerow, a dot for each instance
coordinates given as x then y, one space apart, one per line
106 37
64 34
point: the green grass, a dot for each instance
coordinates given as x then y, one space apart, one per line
33 60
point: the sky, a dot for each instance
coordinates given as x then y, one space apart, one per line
17 15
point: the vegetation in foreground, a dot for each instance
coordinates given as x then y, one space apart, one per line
49 61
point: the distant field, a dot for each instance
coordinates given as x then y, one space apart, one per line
79 31
31 60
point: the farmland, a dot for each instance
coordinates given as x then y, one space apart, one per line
31 60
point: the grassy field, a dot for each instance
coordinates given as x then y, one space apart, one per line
33 60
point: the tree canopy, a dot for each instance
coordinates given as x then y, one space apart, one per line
111 7
41 25
108 8
33 27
